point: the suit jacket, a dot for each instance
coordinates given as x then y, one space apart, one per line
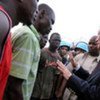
86 86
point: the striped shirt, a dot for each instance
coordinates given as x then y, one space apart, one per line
26 54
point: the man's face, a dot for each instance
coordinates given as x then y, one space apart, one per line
43 40
55 41
45 25
78 51
43 22
63 50
93 46
26 11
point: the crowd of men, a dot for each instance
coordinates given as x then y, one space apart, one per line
31 71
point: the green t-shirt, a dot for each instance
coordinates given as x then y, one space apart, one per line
26 55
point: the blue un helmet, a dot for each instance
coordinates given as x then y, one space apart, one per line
64 43
82 45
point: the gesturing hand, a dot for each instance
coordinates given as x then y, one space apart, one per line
74 64
50 64
61 67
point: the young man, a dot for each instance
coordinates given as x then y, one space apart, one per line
26 54
81 47
46 81
11 13
63 51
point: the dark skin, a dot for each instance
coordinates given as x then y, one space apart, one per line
63 50
43 22
93 47
54 44
19 11
42 19
54 41
43 41
4 27
15 10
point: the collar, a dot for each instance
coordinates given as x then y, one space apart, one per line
96 58
35 32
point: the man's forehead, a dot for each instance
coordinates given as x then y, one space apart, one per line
55 36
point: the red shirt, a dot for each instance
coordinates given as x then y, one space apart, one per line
5 62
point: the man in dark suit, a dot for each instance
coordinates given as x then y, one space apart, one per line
86 86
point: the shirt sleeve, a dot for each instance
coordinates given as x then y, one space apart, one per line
77 67
84 89
23 52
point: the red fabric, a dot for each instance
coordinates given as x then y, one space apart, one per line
5 62
5 65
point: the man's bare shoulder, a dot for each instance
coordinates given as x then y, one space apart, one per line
4 24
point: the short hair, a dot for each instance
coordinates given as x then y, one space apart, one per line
48 9
54 34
